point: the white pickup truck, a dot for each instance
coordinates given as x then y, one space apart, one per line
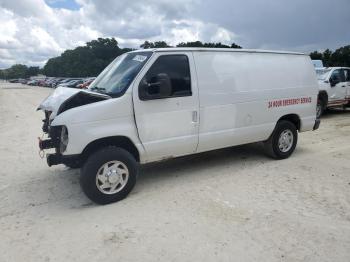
334 85
151 105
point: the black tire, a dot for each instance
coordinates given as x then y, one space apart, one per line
272 144
320 108
95 162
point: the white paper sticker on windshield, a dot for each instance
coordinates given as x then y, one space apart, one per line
140 58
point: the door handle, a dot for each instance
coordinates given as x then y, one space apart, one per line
343 86
194 116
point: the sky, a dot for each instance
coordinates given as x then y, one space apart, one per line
32 31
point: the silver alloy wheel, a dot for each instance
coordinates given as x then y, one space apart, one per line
112 177
285 141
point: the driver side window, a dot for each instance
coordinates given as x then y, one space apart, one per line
173 68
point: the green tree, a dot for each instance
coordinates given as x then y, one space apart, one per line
147 45
17 71
316 55
158 44
32 71
190 44
327 58
340 57
83 61
207 45
2 74
92 58
234 45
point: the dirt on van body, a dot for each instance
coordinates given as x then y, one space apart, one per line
233 204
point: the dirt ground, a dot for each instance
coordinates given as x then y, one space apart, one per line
228 205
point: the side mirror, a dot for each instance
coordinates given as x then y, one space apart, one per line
159 87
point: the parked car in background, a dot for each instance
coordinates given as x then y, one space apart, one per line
47 82
86 83
65 81
72 84
22 81
61 81
19 80
334 88
41 82
32 82
56 81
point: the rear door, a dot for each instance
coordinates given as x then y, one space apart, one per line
168 126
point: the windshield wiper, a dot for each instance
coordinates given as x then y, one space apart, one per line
99 89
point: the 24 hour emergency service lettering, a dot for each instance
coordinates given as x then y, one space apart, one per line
289 102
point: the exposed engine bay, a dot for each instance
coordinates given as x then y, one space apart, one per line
64 98
61 100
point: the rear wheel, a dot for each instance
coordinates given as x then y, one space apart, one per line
109 175
283 140
320 108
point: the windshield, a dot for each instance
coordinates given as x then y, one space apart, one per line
322 73
118 75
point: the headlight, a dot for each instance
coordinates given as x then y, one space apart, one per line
64 139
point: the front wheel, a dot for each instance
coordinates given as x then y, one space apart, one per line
283 140
109 175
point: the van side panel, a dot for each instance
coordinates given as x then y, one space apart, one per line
242 95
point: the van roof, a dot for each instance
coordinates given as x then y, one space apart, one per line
201 49
333 67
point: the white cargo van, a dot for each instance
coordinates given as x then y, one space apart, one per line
334 86
151 105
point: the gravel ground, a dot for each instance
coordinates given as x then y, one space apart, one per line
227 205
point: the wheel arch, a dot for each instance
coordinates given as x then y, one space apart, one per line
118 141
293 118
323 96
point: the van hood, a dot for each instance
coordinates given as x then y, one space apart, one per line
64 98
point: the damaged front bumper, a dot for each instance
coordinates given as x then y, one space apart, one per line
56 159
61 100
57 140
46 144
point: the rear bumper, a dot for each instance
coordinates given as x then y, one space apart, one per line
317 124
